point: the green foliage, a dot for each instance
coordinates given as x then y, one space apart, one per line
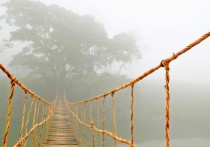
5 44
61 44
63 48
92 86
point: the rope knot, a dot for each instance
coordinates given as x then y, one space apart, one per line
26 91
112 93
161 63
165 64
91 125
13 80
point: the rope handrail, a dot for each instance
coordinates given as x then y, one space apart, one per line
99 130
165 64
150 71
46 113
27 90
80 116
19 142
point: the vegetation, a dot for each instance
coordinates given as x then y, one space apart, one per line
63 49
61 45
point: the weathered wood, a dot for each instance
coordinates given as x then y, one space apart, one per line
61 133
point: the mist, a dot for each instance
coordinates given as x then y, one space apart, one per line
89 47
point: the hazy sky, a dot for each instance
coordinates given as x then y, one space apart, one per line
161 26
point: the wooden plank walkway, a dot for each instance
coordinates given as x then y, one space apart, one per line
61 133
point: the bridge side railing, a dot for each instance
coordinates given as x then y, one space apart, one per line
39 111
81 106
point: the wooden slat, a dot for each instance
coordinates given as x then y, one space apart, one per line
61 133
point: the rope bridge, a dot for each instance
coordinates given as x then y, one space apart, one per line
78 117
41 110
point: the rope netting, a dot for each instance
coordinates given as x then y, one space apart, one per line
79 110
89 114
35 113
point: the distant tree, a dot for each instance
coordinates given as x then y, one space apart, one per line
5 44
60 44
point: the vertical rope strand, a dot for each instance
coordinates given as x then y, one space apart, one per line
28 117
91 124
104 117
132 116
98 122
40 132
75 129
167 115
79 116
23 115
34 120
9 112
84 120
114 118
77 123
44 137
49 107
81 125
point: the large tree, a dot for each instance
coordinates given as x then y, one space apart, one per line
60 44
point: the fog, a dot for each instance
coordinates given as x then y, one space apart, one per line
160 29
178 143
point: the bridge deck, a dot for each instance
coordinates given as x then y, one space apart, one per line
61 133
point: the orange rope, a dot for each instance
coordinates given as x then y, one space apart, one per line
34 119
104 118
23 115
76 123
73 108
13 81
11 77
101 131
91 123
132 116
165 64
98 122
32 129
114 118
40 133
84 115
81 126
173 57
28 116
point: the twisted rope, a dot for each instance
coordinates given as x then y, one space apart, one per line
164 63
114 118
132 116
33 128
15 82
21 85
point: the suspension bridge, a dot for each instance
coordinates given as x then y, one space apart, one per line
64 124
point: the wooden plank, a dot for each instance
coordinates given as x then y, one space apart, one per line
61 133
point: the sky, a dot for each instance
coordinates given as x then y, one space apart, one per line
161 27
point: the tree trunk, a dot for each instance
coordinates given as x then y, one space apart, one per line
121 66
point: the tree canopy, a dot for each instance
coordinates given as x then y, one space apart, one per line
60 44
